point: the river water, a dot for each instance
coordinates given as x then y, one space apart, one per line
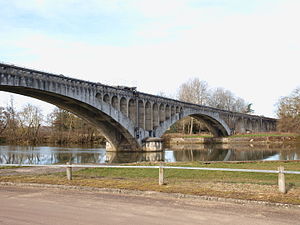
10 154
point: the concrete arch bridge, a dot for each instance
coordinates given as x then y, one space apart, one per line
129 120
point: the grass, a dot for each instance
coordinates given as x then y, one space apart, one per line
240 185
244 135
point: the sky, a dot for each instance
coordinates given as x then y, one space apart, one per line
250 47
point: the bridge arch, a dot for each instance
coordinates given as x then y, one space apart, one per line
123 106
148 116
216 125
115 102
113 124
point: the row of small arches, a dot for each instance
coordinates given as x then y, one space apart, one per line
144 114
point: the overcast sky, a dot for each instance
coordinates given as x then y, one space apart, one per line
251 47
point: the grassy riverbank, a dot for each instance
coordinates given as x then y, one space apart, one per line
261 138
239 185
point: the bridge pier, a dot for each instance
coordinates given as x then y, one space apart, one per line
150 144
153 144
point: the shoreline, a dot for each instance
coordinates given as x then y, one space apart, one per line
171 139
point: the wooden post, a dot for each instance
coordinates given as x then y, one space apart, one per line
281 180
69 171
161 174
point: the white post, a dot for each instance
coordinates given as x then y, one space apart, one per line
161 175
281 180
69 172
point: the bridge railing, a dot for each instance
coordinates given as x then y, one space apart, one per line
281 172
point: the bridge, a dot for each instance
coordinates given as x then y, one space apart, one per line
129 120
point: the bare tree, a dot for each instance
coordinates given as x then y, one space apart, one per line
193 91
288 111
225 99
68 128
30 120
10 132
198 92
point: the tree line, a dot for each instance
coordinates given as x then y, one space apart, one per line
29 126
288 112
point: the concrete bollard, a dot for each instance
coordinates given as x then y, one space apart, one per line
281 180
69 172
161 175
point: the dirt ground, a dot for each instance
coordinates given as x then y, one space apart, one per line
46 205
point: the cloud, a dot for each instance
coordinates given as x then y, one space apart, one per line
251 49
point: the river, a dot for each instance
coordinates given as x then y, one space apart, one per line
10 154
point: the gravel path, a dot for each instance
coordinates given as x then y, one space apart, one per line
22 205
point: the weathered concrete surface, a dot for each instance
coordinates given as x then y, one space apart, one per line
124 116
35 205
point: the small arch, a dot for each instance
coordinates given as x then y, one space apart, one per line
162 114
173 110
106 98
115 102
148 112
177 109
132 111
123 105
155 116
167 112
141 114
98 97
181 113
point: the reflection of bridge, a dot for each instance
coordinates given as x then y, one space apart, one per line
127 118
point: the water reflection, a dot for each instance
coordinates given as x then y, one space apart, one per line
50 155
222 155
84 155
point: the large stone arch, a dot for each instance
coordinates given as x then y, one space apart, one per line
115 126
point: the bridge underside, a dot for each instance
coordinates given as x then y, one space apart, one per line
214 126
117 135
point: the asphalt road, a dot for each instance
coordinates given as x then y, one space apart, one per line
36 205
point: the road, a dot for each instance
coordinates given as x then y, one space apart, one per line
38 205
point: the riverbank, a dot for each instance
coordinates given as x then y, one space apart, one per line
236 185
240 139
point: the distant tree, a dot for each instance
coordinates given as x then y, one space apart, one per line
30 121
288 111
194 91
198 92
225 99
11 131
68 128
